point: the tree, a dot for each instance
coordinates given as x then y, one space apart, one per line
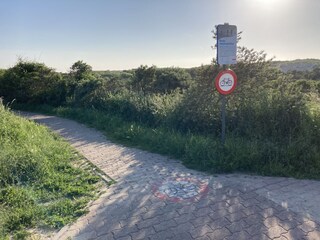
80 70
170 79
84 86
143 78
315 73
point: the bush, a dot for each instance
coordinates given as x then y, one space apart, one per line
31 82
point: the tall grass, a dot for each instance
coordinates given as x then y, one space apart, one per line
299 157
40 185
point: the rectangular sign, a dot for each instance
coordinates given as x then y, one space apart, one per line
226 44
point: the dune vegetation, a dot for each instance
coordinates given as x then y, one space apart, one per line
273 118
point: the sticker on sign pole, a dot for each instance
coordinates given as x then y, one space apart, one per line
226 82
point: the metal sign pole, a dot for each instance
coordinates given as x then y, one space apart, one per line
223 115
223 119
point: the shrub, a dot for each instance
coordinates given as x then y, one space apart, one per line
31 82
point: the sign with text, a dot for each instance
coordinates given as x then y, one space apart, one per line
226 44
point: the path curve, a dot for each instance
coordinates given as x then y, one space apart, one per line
156 197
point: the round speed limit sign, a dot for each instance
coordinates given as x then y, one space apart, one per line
226 81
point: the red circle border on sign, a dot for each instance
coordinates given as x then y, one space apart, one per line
232 73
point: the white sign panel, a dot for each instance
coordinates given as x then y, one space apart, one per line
227 44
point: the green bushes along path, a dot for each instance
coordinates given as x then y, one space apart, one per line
273 123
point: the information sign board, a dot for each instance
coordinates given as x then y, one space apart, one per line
226 44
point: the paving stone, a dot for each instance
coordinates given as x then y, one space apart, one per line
123 232
235 200
251 210
219 233
165 225
203 238
163 235
295 234
219 214
219 223
130 222
256 229
184 218
201 221
86 235
219 205
124 238
254 219
182 236
186 209
237 216
271 222
151 214
184 227
308 226
241 235
202 212
234 208
261 236
281 238
147 223
268 212
249 195
108 236
250 202
314 235
200 231
143 233
237 226
287 225
285 216
275 232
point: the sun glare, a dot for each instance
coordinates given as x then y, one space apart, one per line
269 3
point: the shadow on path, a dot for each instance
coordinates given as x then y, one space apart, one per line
158 198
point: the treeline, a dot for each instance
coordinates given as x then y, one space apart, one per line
298 65
32 82
269 113
314 74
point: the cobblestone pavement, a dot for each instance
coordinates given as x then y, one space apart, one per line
158 198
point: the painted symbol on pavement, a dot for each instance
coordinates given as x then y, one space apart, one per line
181 189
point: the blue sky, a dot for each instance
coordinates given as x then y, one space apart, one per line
123 34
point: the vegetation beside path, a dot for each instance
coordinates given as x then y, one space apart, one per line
41 182
272 117
202 152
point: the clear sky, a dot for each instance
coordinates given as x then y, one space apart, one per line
123 34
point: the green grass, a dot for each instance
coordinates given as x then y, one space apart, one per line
300 157
41 183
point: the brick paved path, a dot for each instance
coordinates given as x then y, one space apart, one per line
158 198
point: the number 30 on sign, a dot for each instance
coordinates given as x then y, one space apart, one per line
226 82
